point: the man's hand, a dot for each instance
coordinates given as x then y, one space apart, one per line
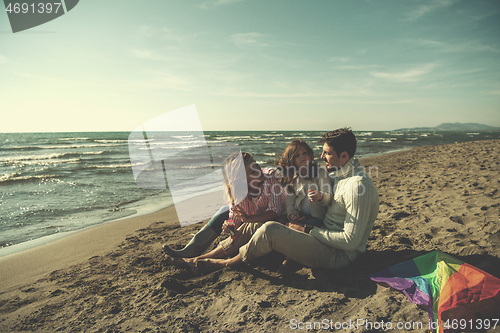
293 217
315 195
297 226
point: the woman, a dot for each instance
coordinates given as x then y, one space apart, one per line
264 201
308 186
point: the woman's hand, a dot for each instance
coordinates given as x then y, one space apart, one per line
293 217
225 228
315 195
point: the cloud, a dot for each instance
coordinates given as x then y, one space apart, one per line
249 40
146 54
159 80
339 59
492 92
217 3
147 31
428 8
469 46
411 75
356 67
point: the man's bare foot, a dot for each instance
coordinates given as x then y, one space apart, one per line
211 264
183 263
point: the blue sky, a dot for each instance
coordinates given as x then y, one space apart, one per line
254 65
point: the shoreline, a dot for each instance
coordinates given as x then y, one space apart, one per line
35 262
94 240
41 241
145 211
112 277
33 243
140 211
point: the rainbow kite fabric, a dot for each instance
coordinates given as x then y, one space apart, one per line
453 291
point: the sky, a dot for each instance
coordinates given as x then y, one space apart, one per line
254 65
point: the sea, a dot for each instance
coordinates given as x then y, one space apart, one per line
53 184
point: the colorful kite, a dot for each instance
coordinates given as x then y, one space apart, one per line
458 296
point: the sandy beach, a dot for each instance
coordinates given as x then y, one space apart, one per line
112 278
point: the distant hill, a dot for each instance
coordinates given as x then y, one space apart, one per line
454 127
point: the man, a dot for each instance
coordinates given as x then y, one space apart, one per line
265 201
348 220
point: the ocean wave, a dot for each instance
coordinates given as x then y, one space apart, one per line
20 148
31 157
78 146
90 153
233 138
48 158
73 139
16 177
167 143
205 166
110 166
182 136
111 141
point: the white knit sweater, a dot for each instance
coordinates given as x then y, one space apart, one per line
352 213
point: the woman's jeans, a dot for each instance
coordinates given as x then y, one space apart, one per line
218 219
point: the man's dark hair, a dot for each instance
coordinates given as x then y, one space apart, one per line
340 140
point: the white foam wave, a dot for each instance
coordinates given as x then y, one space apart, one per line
14 177
92 153
72 139
111 141
182 136
20 158
76 146
29 159
110 166
197 166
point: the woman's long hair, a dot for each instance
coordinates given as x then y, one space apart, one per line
286 166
